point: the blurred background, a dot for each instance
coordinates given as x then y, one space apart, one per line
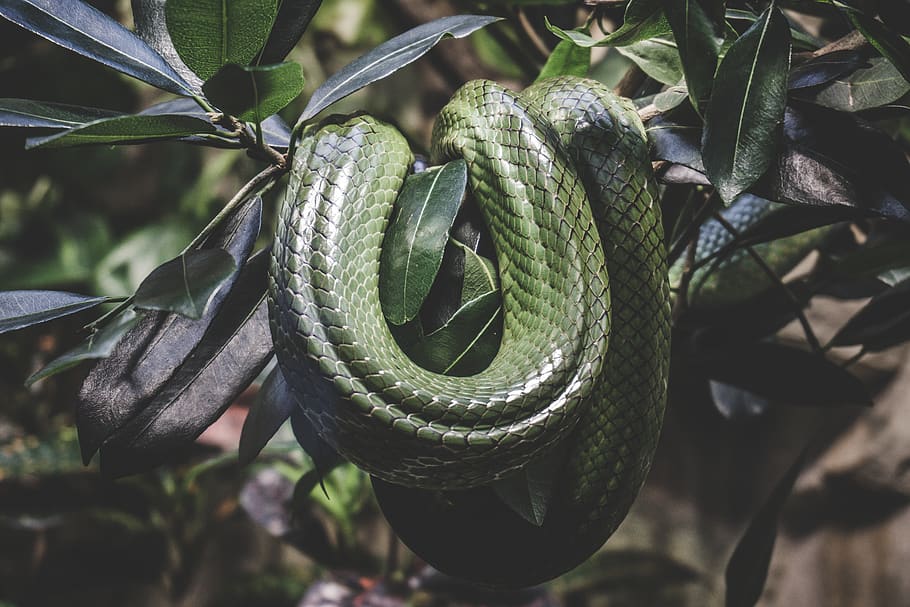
208 532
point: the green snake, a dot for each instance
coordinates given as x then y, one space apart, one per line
562 176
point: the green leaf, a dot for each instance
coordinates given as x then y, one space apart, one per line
415 240
480 275
186 285
657 57
528 491
209 34
84 29
293 18
389 57
747 105
42 114
253 94
20 309
97 345
698 36
890 44
866 88
125 129
644 19
273 406
567 59
671 98
467 342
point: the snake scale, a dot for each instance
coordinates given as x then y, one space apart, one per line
562 176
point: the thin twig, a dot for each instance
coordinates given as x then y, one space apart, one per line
531 33
254 145
677 247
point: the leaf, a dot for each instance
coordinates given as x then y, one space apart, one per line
747 569
747 105
323 456
698 36
866 88
209 34
254 93
567 59
880 324
84 29
890 44
671 98
389 57
293 18
528 490
480 275
41 114
142 364
644 19
235 348
657 57
784 374
124 129
824 69
273 406
674 142
415 240
467 342
20 309
150 23
98 345
735 404
187 284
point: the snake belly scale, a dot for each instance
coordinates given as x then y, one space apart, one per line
562 177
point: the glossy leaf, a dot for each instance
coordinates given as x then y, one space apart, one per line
20 309
866 88
84 29
253 94
747 106
747 569
125 129
567 59
480 275
187 284
42 114
120 386
676 143
415 240
890 44
882 323
671 98
273 406
97 345
698 35
657 57
824 69
644 19
293 18
150 23
209 34
528 490
389 57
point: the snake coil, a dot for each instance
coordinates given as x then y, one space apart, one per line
562 176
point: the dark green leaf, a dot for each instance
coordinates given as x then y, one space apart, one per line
187 284
389 57
209 34
293 18
882 323
698 34
567 59
321 453
874 259
20 309
671 98
415 240
98 345
784 374
643 19
150 23
676 143
528 491
41 114
125 129
890 44
748 567
747 106
254 93
84 29
825 68
869 87
273 406
480 275
120 386
657 57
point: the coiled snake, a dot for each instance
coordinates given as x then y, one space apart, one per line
563 179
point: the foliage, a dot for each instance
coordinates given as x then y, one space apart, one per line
737 99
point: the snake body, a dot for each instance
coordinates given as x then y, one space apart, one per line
562 177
